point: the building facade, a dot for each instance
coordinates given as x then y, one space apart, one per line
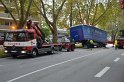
5 19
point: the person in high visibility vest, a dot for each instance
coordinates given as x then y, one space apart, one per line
91 44
116 44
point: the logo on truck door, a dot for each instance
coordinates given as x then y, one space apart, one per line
14 43
27 43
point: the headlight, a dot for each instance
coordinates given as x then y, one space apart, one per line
5 51
23 52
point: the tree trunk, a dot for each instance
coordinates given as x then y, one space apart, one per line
113 35
20 24
54 37
54 33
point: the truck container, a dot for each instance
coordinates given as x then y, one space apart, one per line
83 33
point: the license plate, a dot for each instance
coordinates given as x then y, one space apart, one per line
14 51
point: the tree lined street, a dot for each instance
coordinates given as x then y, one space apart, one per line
54 14
34 29
97 65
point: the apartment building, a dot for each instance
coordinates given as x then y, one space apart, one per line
5 19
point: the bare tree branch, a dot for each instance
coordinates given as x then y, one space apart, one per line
80 14
59 9
28 10
44 15
17 8
100 17
89 10
44 11
95 13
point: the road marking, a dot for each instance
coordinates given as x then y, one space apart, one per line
51 66
117 59
101 73
122 54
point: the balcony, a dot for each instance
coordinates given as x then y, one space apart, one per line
6 16
4 27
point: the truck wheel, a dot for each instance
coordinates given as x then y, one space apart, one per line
72 48
68 50
34 53
52 51
60 48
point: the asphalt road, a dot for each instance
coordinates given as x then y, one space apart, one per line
82 65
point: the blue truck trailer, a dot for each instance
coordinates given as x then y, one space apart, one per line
83 33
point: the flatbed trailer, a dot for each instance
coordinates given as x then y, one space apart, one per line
30 42
25 42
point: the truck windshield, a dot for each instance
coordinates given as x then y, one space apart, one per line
15 36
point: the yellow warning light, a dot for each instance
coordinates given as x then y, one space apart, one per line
26 27
13 28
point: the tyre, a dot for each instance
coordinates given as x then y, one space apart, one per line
72 48
34 53
60 48
52 51
68 50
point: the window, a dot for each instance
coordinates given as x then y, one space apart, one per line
30 36
6 23
1 36
16 36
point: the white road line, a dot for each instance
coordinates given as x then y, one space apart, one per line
51 66
102 72
117 59
122 54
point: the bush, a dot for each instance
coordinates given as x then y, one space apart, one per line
2 54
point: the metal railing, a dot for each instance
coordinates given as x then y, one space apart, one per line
4 27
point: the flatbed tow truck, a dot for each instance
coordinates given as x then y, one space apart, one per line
31 42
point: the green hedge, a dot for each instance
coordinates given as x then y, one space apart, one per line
2 54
